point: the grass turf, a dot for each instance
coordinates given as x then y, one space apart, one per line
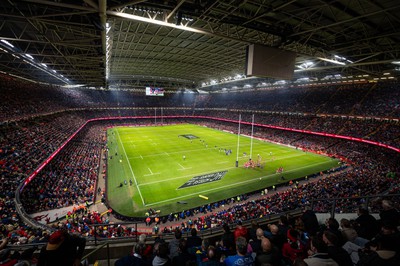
153 162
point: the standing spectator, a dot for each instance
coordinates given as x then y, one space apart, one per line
241 258
135 259
211 259
310 221
253 230
161 258
275 237
183 256
63 249
193 240
256 243
148 249
174 244
228 240
268 254
294 248
367 226
240 231
389 214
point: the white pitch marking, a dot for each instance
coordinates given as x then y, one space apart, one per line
152 174
184 169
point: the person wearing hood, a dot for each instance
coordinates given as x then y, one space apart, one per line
161 258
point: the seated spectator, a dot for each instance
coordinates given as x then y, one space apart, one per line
348 232
332 225
335 251
380 252
318 254
63 249
241 258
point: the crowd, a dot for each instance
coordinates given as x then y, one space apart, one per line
291 241
71 176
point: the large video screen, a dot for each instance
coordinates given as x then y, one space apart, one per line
154 91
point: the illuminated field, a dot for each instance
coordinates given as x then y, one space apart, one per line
159 166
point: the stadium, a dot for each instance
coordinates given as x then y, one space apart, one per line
130 127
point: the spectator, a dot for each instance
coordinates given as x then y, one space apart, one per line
240 231
183 256
367 226
173 245
336 252
267 254
148 249
211 259
381 252
161 255
228 240
63 249
135 259
255 245
389 214
193 240
275 237
294 248
348 232
241 258
319 254
310 221
332 225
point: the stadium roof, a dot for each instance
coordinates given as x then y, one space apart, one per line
194 43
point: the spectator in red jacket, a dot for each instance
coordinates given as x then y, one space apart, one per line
240 231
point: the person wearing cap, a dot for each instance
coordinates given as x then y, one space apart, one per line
62 249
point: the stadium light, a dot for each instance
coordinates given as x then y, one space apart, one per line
6 42
331 61
157 22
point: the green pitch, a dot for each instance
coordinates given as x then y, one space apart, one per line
167 167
